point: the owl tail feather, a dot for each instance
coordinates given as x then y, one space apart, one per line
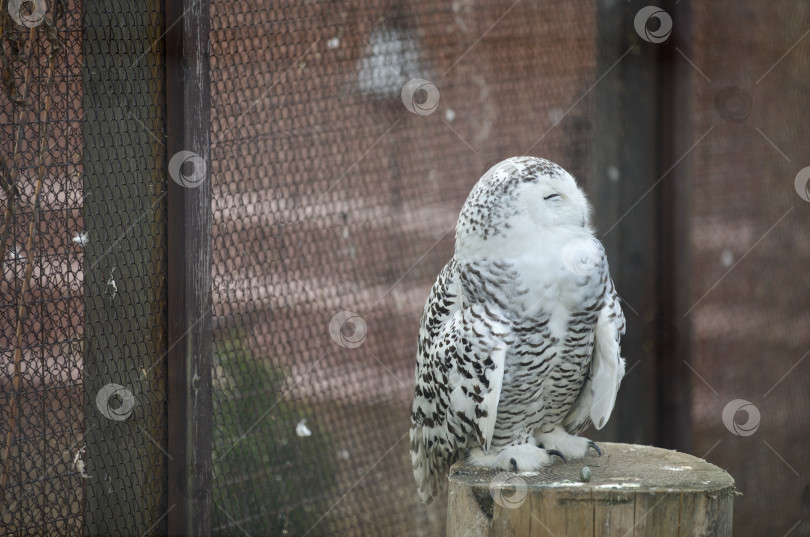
427 469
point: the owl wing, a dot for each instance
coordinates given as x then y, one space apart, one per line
595 402
459 372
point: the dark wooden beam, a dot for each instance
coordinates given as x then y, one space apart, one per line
625 152
673 336
189 273
124 208
640 187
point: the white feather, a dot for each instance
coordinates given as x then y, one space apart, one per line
490 403
607 368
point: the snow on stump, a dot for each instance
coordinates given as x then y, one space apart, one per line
632 491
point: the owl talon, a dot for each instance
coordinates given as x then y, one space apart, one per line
557 453
513 462
595 448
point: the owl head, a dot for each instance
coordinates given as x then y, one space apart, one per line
519 200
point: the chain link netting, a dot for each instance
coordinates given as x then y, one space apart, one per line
82 407
345 138
125 268
750 251
336 190
40 232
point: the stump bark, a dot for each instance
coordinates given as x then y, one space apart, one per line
633 491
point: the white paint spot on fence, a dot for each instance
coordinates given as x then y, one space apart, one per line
111 283
302 430
78 463
82 238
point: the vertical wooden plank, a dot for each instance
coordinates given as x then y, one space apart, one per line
633 490
614 517
641 508
674 261
546 515
625 168
124 268
189 275
580 507
664 513
686 520
465 515
508 522
706 515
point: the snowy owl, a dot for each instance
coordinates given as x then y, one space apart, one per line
518 346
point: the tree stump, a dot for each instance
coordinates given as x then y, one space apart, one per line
633 491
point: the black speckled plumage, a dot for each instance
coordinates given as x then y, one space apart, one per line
519 340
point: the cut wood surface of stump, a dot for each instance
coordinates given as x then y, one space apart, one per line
632 491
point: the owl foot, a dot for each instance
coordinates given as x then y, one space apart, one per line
520 458
554 452
568 445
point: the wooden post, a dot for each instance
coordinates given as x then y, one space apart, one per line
625 166
189 299
633 491
124 331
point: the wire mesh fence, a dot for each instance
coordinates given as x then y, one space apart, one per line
749 243
124 271
334 207
41 399
344 139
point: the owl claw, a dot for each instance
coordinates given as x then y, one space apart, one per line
513 462
595 448
557 453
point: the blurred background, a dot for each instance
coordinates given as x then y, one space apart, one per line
335 187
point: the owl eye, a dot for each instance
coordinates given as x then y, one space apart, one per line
551 196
